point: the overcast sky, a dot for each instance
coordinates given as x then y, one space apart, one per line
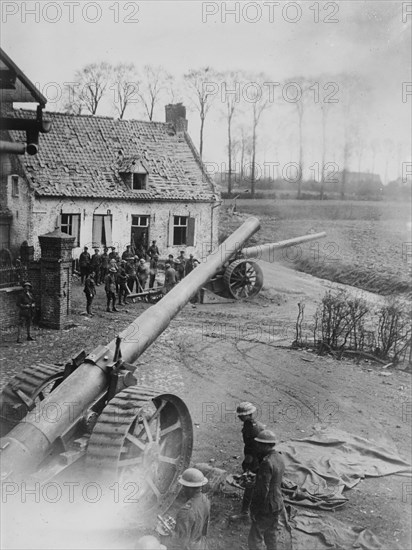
49 41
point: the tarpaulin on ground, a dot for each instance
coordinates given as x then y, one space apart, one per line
321 466
312 532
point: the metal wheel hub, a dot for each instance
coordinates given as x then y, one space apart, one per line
243 279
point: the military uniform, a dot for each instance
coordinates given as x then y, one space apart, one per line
153 271
266 502
26 305
192 523
110 286
251 428
170 279
84 264
90 291
95 265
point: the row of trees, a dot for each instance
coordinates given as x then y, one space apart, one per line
244 101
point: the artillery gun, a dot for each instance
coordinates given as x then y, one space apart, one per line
94 413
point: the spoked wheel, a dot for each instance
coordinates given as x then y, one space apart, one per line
243 279
144 441
25 391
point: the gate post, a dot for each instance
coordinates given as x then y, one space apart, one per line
55 278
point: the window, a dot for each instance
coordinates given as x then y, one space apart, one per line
70 224
183 230
15 186
140 221
139 181
102 230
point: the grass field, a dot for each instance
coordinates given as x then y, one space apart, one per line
368 244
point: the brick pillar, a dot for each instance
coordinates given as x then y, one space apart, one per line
55 278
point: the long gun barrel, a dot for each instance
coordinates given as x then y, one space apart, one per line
24 448
265 251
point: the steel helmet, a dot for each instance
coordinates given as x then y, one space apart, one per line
266 436
192 477
245 408
148 542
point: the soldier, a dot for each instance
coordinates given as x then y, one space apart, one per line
153 250
153 269
181 265
113 255
110 287
142 273
90 291
190 264
199 296
149 542
95 264
170 278
127 254
26 305
104 266
122 283
192 519
84 262
251 428
267 502
130 268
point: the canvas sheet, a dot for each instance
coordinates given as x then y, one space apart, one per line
320 467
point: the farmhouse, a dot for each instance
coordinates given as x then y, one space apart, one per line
112 182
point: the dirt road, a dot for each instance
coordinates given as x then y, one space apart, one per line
217 354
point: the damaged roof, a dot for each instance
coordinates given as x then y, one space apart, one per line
87 156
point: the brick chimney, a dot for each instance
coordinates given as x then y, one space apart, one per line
176 115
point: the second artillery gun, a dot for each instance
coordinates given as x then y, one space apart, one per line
102 418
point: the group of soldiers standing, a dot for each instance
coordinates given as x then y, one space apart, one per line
118 274
262 501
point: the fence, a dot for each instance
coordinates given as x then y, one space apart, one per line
12 276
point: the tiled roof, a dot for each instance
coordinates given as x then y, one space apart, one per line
83 156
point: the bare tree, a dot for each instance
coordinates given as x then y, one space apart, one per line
355 96
258 96
90 85
153 82
374 146
300 102
72 102
325 111
200 85
125 87
231 96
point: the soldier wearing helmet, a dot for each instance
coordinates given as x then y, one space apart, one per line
250 430
267 500
149 542
192 520
26 305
